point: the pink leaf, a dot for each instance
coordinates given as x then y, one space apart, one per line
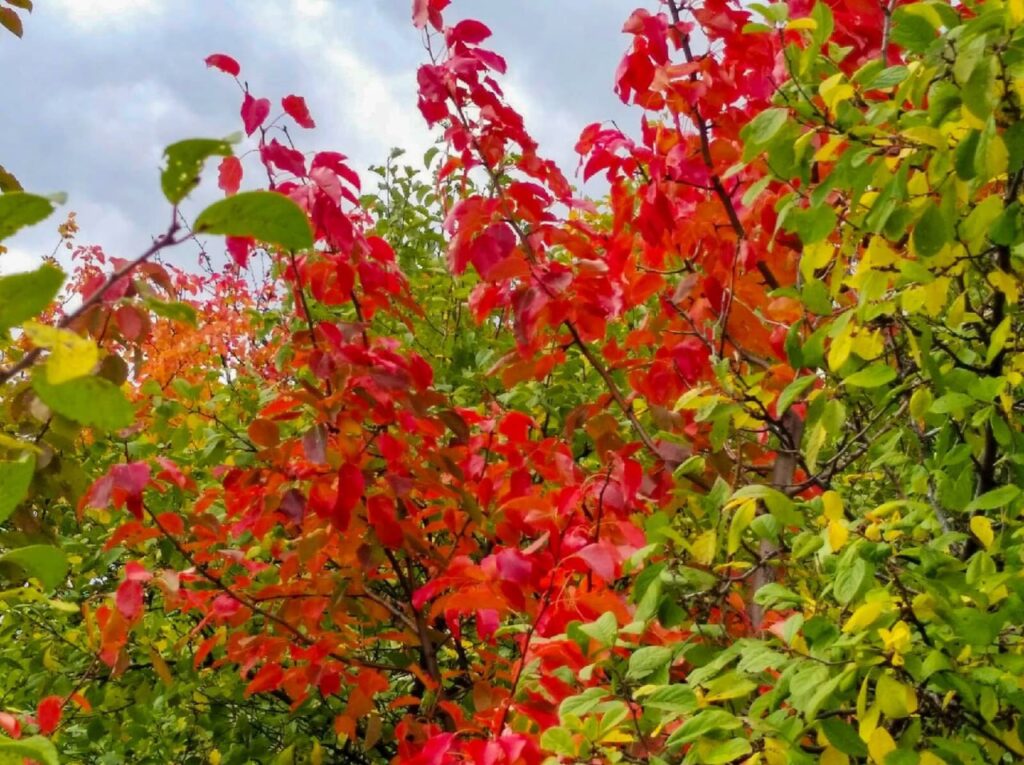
295 107
279 155
468 31
424 11
10 724
254 112
136 572
599 559
224 63
129 598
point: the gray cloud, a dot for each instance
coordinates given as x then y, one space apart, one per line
97 89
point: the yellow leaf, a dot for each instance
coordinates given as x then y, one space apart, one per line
617 737
997 157
160 666
840 349
998 340
826 152
316 756
740 520
832 756
957 311
837 535
935 295
863 617
927 758
703 547
834 91
895 699
1005 283
868 345
1015 10
807 23
867 722
927 135
920 403
981 527
815 256
880 744
833 505
71 355
18 445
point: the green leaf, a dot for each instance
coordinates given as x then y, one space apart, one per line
37 748
181 312
932 231
24 296
603 630
773 593
649 660
843 737
185 161
46 563
765 126
19 209
708 721
851 574
886 78
88 400
871 377
263 215
951 402
678 699
792 392
719 752
582 703
559 741
15 478
991 500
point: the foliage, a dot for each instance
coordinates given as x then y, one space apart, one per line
723 466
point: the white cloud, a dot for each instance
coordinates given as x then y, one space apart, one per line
351 97
15 260
99 14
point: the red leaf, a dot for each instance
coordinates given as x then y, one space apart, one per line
129 321
268 678
48 714
491 248
239 248
129 599
350 490
295 107
381 513
224 63
254 112
230 177
172 523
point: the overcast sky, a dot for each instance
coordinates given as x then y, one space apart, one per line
97 88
